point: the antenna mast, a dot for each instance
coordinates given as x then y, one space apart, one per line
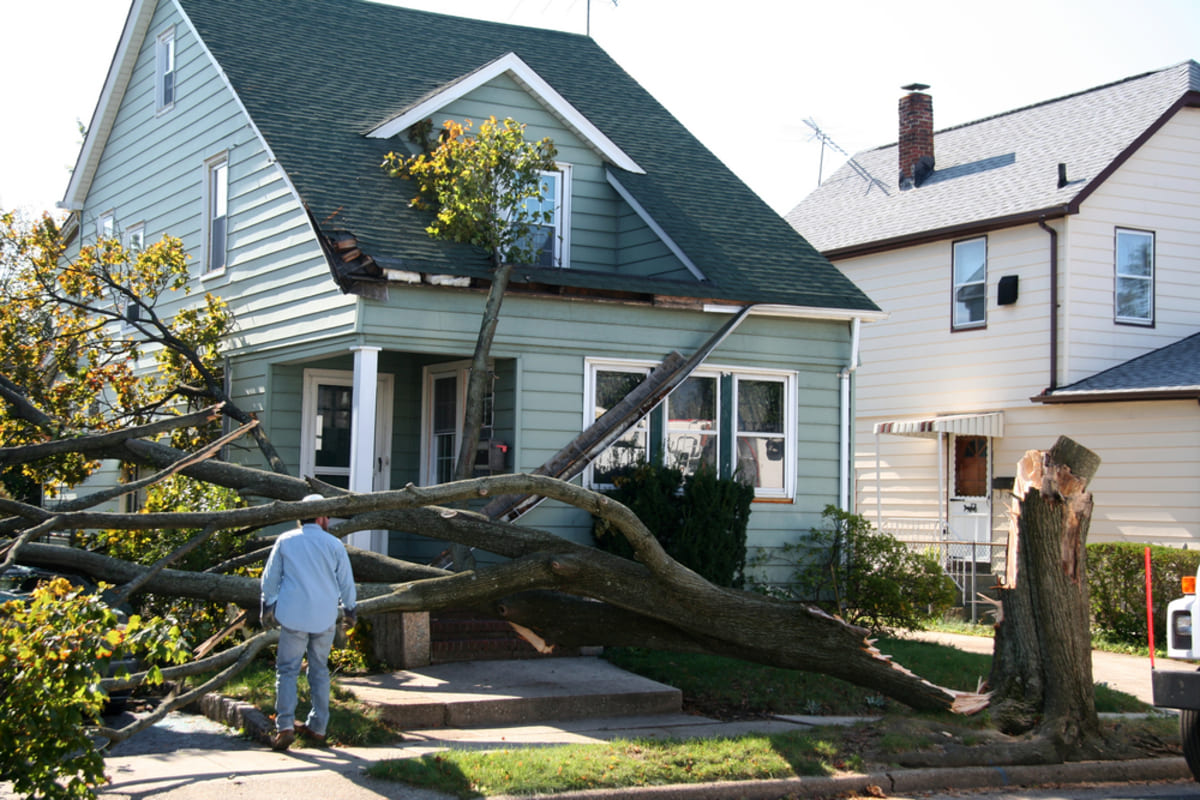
589 16
859 169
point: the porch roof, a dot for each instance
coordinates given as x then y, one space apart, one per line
985 424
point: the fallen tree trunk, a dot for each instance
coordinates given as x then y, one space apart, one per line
657 597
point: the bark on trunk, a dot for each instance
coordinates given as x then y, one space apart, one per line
1042 671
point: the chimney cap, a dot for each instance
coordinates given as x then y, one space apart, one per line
915 87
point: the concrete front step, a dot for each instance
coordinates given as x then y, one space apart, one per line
477 694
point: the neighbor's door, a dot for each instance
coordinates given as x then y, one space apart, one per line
970 511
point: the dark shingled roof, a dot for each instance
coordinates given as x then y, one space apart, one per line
317 76
1171 369
1003 169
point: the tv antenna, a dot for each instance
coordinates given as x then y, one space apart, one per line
859 169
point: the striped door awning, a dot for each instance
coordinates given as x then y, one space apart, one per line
989 424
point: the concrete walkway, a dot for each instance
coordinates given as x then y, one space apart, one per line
187 757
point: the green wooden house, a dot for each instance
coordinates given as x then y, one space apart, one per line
255 130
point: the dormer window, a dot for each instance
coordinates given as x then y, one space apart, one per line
551 238
164 56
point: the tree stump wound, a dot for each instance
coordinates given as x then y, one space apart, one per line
1041 677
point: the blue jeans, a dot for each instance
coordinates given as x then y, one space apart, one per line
291 650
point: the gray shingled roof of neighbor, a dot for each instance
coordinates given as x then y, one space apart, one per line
998 170
1174 368
316 77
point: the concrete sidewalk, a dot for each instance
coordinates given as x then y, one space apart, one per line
188 757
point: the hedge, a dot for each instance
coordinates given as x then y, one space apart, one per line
1117 580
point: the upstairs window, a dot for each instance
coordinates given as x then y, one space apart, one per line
164 57
969 298
550 234
216 218
1134 294
106 225
135 238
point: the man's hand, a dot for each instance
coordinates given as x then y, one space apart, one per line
351 617
268 617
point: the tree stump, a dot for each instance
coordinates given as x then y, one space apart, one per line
1041 677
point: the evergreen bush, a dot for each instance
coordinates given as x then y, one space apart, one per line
700 522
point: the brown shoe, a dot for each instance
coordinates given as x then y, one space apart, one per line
283 740
308 733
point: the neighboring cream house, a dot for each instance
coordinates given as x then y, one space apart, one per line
1041 272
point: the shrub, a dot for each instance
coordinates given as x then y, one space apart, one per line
701 523
1117 582
867 577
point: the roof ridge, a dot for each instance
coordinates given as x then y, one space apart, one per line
1192 65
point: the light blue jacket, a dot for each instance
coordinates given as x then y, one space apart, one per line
306 575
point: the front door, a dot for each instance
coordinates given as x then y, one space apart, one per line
326 414
970 509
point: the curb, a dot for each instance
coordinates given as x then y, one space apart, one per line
237 714
899 781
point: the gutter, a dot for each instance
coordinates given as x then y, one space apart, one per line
1053 304
845 423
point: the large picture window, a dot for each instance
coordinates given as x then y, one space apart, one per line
740 423
1134 294
969 300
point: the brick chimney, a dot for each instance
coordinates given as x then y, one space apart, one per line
916 135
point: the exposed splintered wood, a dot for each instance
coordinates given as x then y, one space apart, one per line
1041 676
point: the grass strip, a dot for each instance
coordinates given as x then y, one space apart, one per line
620 764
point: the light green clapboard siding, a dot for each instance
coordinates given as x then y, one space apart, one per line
291 315
605 233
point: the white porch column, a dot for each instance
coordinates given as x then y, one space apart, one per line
362 439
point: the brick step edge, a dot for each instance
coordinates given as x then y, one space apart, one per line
238 714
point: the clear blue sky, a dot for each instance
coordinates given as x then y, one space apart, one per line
744 75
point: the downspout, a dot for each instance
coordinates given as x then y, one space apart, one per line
1053 304
844 455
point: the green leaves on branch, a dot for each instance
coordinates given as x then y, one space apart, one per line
54 649
482 188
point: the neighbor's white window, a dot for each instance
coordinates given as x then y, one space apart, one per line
551 238
1134 296
216 217
969 300
164 57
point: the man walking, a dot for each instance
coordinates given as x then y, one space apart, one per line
307 574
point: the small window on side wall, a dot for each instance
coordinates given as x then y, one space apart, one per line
1134 281
969 294
164 58
216 217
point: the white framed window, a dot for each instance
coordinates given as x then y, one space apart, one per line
741 423
216 213
165 84
1133 296
969 291
135 238
106 225
443 403
551 236
606 384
